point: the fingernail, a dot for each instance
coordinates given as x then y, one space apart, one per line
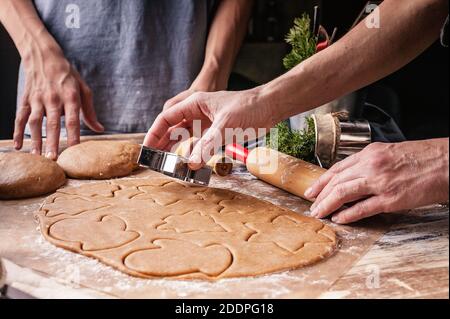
308 192
195 159
35 151
50 155
16 145
335 219
313 212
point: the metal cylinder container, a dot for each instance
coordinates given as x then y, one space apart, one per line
355 136
338 137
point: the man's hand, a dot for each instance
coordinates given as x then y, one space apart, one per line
216 111
53 88
209 80
383 178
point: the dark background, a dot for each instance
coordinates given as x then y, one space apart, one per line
421 87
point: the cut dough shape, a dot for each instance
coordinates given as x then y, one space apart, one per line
190 222
24 175
287 233
100 159
174 258
109 232
71 206
175 230
163 194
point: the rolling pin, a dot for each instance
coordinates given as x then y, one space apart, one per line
221 164
283 171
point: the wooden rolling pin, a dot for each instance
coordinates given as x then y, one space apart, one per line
278 169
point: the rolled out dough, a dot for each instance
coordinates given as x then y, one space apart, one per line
24 175
100 159
159 227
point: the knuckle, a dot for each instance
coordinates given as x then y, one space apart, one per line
336 168
386 203
374 146
36 95
378 160
159 118
326 177
52 98
72 122
24 110
20 118
362 186
52 124
25 97
336 180
198 96
51 108
360 211
71 96
72 108
34 120
340 192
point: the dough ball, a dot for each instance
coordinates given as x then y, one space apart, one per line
24 175
100 159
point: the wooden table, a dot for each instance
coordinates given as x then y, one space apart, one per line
409 260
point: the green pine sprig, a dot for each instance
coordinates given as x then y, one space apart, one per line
302 40
299 144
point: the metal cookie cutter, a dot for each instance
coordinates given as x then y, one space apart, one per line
174 166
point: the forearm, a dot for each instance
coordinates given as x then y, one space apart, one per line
225 38
28 32
363 56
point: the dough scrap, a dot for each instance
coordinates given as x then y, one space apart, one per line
100 159
159 227
24 175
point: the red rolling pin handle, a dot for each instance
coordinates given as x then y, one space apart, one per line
237 152
321 46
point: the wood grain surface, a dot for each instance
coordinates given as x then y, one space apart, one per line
402 255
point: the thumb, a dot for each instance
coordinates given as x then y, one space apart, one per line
88 111
206 147
87 105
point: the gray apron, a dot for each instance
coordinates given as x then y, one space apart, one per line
134 54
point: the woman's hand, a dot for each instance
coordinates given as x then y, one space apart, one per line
383 178
216 111
53 88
